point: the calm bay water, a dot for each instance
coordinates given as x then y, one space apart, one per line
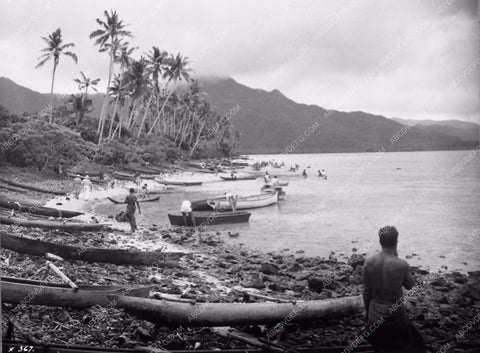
434 214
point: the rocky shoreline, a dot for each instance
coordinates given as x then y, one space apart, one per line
444 306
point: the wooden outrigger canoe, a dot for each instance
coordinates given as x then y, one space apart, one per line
39 210
114 256
180 183
237 314
210 218
32 292
247 202
31 187
140 170
150 199
40 223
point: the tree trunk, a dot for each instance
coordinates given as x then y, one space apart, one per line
50 118
101 123
161 109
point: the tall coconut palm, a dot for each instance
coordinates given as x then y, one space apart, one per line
79 105
123 58
84 83
108 38
177 70
137 78
53 51
157 62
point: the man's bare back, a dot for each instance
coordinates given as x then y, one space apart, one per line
384 276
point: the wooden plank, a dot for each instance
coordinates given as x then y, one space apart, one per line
62 275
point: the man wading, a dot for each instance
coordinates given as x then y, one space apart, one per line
131 201
384 275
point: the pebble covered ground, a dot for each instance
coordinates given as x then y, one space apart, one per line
444 306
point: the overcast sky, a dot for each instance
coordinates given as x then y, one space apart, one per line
394 58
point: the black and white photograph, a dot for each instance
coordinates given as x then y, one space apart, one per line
240 176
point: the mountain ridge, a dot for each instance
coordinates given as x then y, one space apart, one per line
269 121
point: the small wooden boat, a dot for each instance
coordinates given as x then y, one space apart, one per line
210 218
171 313
114 256
36 209
52 191
203 205
32 292
149 199
65 226
274 189
180 183
247 202
237 178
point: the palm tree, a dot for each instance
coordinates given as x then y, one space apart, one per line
123 58
53 51
157 62
137 78
176 71
108 38
85 82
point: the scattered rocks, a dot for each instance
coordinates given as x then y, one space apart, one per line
269 269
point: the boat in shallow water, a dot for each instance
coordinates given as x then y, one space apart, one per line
247 202
32 292
240 177
210 218
180 183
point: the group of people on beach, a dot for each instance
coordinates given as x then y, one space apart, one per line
80 186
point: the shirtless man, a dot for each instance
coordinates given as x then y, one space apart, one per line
384 275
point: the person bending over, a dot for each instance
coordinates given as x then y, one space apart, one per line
384 275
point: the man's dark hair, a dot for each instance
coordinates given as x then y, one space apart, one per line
388 236
132 190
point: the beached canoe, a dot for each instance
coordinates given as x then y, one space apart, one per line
247 202
237 178
210 218
32 292
180 183
52 191
237 314
36 209
114 256
65 226
149 199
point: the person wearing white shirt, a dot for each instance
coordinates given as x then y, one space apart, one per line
186 210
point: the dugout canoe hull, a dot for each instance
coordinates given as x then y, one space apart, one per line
35 209
210 218
114 256
31 292
32 187
237 314
150 199
68 227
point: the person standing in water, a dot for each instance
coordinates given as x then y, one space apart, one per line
304 173
131 201
384 275
232 200
87 187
